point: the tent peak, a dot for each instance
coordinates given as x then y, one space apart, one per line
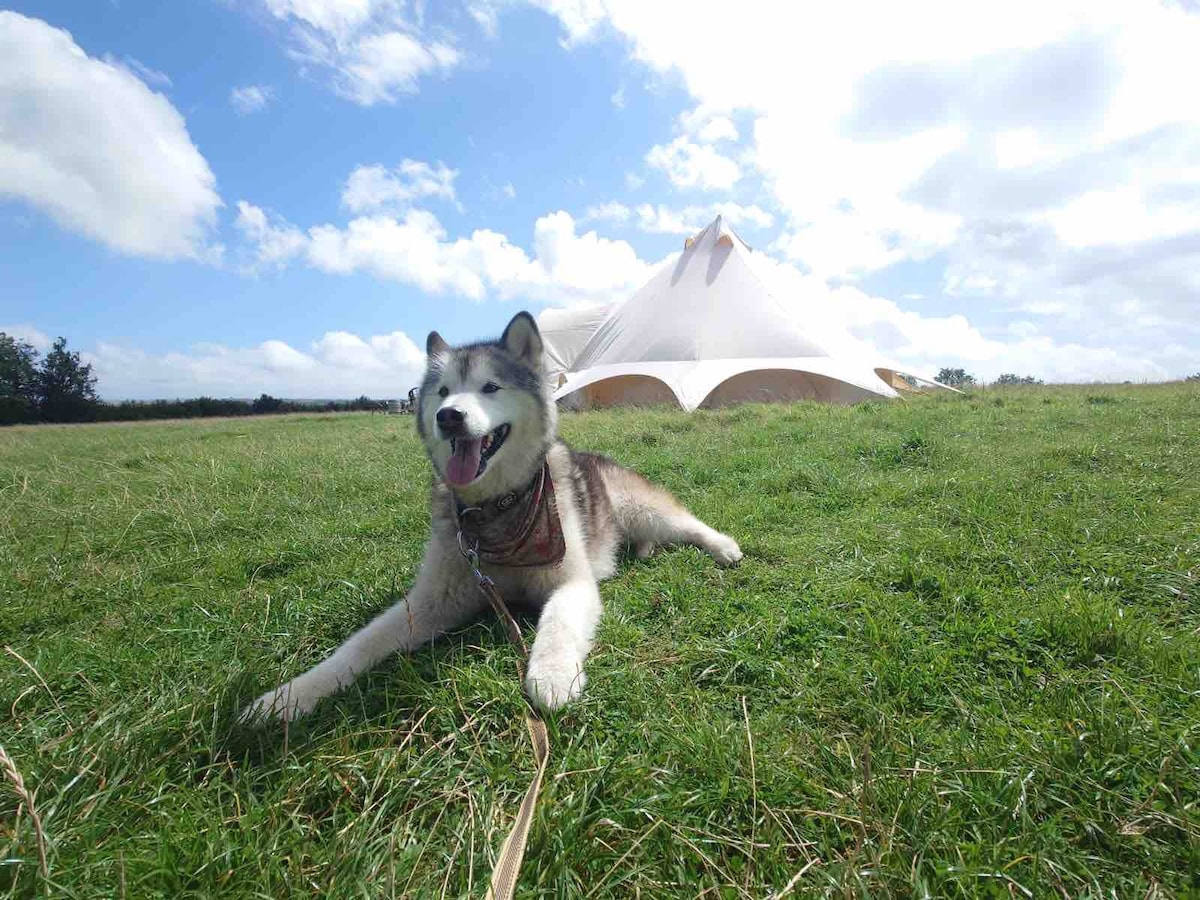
719 231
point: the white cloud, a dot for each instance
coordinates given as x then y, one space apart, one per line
663 220
374 187
690 219
414 248
1138 297
373 50
618 97
339 18
719 129
1061 128
485 15
691 165
251 99
282 359
1018 148
581 267
659 219
855 324
274 245
1022 328
39 340
382 66
380 353
337 365
838 245
841 228
609 211
143 71
977 283
578 17
1122 216
89 144
708 126
509 191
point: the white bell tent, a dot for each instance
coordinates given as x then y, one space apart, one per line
703 332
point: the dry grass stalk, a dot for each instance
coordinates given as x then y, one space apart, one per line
26 796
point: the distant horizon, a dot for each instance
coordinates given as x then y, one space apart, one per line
307 401
404 395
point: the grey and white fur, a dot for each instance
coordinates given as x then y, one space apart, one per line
470 394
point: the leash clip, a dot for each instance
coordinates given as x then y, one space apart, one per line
471 555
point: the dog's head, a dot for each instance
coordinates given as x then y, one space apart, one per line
485 412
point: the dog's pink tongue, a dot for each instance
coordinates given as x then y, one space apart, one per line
464 462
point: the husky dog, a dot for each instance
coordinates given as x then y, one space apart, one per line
545 522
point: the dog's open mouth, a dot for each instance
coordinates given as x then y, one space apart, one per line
469 456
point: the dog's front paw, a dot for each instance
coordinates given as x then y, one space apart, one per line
551 684
725 551
287 702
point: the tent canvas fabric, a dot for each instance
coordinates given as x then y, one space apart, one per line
706 332
906 382
564 334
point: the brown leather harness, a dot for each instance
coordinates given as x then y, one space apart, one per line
520 529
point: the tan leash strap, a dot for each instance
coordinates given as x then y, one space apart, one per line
508 864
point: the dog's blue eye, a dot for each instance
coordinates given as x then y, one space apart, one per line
491 387
443 391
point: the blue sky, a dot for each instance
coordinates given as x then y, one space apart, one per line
287 195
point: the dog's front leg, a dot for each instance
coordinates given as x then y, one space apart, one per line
564 639
435 605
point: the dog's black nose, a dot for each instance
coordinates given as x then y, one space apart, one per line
450 418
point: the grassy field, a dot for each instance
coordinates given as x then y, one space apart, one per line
961 658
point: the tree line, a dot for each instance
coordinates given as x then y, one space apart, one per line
61 387
960 378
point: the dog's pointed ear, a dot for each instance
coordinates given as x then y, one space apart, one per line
523 340
435 346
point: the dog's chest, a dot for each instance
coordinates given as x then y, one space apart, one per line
528 589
